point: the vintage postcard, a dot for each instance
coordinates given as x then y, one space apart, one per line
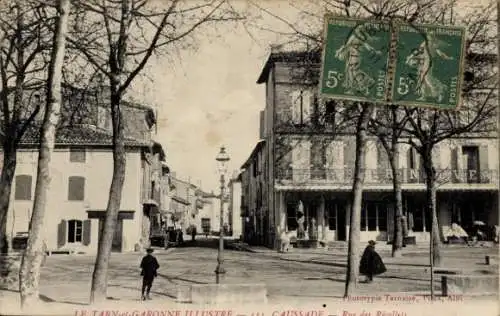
249 157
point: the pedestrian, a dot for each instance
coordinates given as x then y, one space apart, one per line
371 263
149 266
193 233
45 252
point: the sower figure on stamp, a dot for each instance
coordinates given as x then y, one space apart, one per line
371 263
149 266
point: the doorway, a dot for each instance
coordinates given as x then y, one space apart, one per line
341 224
116 245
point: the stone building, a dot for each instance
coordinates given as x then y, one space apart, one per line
300 172
82 167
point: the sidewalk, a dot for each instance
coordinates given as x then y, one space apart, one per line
455 258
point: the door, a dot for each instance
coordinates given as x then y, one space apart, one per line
117 237
341 218
116 244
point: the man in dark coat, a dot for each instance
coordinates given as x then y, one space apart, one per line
149 265
371 263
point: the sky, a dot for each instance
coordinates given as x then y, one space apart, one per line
208 97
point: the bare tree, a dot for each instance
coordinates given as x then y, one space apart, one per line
306 30
119 38
22 61
29 275
388 127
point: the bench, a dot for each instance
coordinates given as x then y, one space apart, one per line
215 294
469 284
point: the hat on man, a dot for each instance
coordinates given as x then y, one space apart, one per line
372 242
149 250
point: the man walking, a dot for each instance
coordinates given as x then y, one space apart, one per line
149 265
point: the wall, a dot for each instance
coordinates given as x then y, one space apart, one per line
236 208
97 171
283 80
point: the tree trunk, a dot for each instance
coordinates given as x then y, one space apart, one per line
29 275
6 178
431 197
397 239
357 197
99 277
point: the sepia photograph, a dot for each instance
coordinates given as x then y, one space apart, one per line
249 157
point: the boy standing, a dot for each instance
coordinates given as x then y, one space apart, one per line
149 265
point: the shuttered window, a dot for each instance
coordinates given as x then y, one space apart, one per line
302 100
205 225
23 187
77 155
75 231
76 188
318 158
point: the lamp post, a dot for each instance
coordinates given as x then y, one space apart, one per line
222 159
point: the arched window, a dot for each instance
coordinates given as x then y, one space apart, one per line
75 228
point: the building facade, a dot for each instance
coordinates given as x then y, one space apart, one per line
79 191
82 168
184 204
254 198
209 215
234 218
308 166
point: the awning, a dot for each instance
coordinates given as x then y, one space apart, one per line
385 188
150 202
101 214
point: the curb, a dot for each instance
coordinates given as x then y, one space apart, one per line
437 270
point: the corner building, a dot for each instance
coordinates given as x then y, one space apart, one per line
306 155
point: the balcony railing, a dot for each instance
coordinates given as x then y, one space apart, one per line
384 176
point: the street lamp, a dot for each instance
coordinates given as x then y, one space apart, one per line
222 159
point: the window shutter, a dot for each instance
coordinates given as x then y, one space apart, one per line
76 188
436 156
402 156
295 159
349 159
307 103
61 233
460 159
296 106
23 187
382 158
454 158
306 158
416 158
483 164
335 160
86 232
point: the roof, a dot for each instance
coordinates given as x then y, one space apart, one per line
256 149
315 57
290 57
83 135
